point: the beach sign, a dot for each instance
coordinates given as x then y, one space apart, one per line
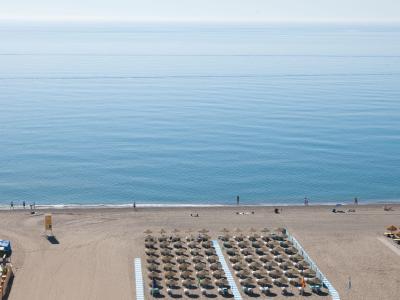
48 223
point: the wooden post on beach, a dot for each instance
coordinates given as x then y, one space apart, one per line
48 224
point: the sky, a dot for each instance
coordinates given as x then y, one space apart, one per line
203 10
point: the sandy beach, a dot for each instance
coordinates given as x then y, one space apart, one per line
96 250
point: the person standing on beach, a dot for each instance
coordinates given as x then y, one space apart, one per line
11 205
237 200
355 201
23 204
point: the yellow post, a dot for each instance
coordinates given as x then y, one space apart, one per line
48 224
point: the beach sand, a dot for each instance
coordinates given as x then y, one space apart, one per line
95 255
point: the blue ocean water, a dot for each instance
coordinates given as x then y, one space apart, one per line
199 113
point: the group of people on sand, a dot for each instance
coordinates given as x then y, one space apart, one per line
32 205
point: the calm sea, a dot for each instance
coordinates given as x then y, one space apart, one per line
199 113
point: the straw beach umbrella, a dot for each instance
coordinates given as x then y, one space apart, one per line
391 228
221 283
275 274
200 266
255 266
202 274
314 281
243 274
264 282
186 274
218 274
170 275
152 260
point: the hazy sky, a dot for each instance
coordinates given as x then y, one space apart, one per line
203 10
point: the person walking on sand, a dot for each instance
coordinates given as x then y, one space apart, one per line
23 204
355 201
11 205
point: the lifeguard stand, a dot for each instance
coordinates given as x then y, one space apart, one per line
48 225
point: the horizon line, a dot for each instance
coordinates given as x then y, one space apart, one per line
99 19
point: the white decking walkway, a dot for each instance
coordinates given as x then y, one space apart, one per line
139 279
229 277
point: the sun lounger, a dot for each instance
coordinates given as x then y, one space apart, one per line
223 291
154 291
247 290
265 290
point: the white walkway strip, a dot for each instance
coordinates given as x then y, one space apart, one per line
320 275
229 277
139 279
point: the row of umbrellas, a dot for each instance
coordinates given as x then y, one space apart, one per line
178 268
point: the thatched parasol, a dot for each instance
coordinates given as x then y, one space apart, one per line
205 282
296 258
148 231
286 265
215 266
250 258
210 252
239 266
275 274
222 283
218 274
196 252
292 273
224 230
178 245
184 267
265 258
291 250
152 260
207 244
309 273
295 282
391 228
198 259
204 230
171 283
166 252
255 266
200 266
188 283
231 252
202 274
314 281
246 251
154 275
162 231
264 282
182 260
260 273
186 274
168 267
167 259
243 244
247 282
302 265
180 252
282 282
212 259
243 274
153 268
170 275
280 230
193 245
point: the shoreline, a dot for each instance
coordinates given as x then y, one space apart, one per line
193 205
